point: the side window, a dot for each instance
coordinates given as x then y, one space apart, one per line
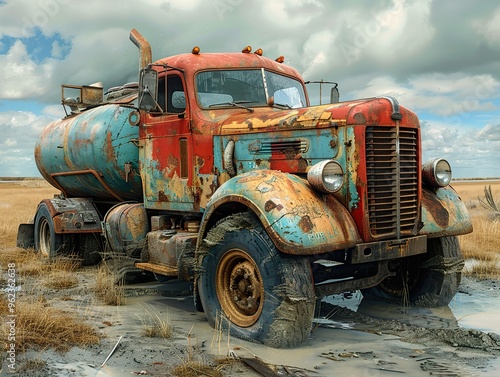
161 94
176 98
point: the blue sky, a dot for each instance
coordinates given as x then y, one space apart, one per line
439 58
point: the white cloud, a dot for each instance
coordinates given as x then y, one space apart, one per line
20 130
54 111
9 142
57 50
291 14
489 28
21 77
470 153
447 95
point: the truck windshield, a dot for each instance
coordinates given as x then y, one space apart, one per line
222 88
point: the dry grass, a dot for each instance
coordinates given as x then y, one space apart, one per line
481 248
155 326
107 288
61 280
18 205
58 274
39 326
193 368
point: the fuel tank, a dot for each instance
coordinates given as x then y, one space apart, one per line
93 154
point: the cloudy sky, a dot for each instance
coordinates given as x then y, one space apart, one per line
440 58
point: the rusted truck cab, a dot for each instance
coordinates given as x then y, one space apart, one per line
234 181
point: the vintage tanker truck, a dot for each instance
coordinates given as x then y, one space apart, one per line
215 169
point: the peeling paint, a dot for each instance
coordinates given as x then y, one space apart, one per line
97 141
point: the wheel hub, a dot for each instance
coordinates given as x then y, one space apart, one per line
239 288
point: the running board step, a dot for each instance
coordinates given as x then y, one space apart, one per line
157 268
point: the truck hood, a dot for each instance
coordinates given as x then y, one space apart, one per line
371 111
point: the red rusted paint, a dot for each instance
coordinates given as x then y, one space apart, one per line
162 197
306 224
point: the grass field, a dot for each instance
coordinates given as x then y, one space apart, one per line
20 199
482 247
18 205
38 324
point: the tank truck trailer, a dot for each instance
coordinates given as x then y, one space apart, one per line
216 169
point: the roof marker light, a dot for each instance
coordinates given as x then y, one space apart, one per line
247 50
281 59
195 50
258 52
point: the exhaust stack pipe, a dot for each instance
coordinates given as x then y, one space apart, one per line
144 48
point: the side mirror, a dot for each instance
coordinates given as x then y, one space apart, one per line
148 89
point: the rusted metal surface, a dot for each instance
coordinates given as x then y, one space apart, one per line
240 288
87 96
298 219
99 142
157 268
391 249
80 172
144 48
172 249
444 213
167 246
328 289
73 215
126 226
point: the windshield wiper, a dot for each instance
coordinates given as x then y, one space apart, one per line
234 104
283 105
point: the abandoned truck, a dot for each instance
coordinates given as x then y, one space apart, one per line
215 169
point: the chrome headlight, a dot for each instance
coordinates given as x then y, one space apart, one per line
326 176
437 173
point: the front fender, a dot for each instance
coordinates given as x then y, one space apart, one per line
444 213
298 219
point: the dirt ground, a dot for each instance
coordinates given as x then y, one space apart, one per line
352 337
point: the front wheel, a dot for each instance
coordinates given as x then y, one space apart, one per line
427 280
262 294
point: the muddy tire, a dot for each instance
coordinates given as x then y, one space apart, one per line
262 295
428 280
89 249
47 243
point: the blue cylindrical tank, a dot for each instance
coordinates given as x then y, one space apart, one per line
93 154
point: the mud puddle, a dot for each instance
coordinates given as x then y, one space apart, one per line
475 306
361 337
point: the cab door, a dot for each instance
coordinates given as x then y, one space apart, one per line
166 153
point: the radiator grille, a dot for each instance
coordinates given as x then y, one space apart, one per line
284 147
392 180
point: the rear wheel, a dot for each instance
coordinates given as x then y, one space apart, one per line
262 294
428 280
47 242
89 249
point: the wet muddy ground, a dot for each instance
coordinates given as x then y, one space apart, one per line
353 337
